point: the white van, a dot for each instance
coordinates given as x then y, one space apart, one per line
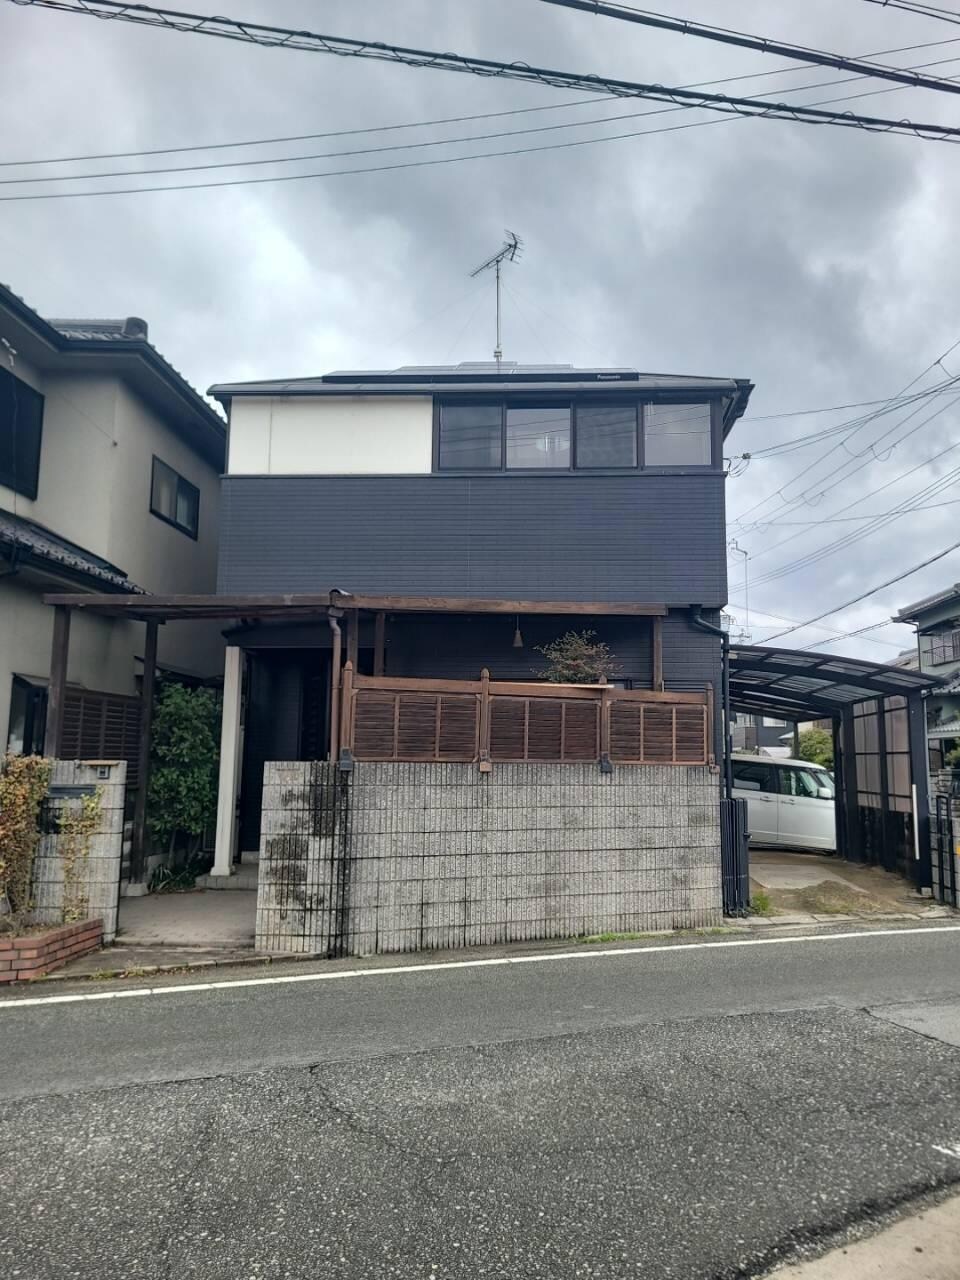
790 802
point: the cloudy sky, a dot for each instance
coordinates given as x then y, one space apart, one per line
821 263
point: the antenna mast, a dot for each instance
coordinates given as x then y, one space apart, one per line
510 252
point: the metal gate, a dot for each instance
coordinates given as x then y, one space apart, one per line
735 857
944 851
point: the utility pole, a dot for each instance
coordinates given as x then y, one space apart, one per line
510 251
738 550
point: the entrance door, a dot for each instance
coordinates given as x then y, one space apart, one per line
756 782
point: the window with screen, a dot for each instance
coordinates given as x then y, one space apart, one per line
174 499
21 426
606 436
471 437
677 435
538 437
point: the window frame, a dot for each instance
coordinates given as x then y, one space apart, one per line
762 764
530 399
180 480
10 480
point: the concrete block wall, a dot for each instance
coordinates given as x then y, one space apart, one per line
98 874
419 856
945 782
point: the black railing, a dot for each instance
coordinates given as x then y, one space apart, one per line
735 857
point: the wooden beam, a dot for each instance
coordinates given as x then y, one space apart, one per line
56 692
252 606
138 847
379 643
658 655
353 636
335 657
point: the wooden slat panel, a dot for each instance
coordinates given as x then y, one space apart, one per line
626 732
691 735
581 731
417 727
373 727
507 720
544 730
658 735
459 727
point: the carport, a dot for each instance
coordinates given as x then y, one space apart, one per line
880 744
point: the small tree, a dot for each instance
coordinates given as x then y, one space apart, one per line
578 658
182 795
816 745
952 758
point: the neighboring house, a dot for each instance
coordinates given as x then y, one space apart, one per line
475 482
758 733
109 482
937 620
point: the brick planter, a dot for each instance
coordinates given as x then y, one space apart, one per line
33 955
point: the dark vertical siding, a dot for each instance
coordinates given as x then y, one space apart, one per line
653 538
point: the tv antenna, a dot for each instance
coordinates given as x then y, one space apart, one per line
510 252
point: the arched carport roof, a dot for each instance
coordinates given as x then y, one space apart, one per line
797 684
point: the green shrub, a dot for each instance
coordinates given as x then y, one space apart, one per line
182 795
816 745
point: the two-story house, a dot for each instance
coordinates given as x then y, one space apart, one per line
110 467
937 620
474 482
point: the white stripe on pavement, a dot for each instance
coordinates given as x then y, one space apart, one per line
585 953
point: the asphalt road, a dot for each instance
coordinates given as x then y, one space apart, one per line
696 1113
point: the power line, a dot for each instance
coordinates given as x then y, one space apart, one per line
921 10
287 38
759 527
858 631
787 502
482 115
866 594
760 44
403 146
778 617
929 491
409 164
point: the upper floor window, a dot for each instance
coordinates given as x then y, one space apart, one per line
21 426
556 435
174 499
945 647
676 435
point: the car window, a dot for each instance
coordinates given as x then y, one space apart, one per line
825 780
763 776
799 782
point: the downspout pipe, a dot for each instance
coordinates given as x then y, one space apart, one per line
337 648
711 628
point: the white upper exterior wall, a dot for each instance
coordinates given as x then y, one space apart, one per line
331 435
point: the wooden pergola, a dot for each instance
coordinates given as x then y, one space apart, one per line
334 605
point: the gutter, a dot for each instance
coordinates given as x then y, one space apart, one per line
711 628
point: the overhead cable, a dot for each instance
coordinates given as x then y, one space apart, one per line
760 44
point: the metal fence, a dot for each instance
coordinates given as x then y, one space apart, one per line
735 857
944 852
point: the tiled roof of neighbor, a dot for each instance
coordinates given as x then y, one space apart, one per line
131 329
909 611
16 531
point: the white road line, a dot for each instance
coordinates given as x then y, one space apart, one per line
949 1151
585 953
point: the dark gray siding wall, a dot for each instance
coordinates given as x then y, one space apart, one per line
652 538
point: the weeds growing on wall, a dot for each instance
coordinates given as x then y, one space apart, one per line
76 827
24 781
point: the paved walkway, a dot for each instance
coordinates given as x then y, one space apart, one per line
923 1247
203 918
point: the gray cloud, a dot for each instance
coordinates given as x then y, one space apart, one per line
820 263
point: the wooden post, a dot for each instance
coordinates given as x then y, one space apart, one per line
59 652
796 738
658 655
138 848
606 696
335 656
353 637
484 745
346 709
379 635
710 754
230 761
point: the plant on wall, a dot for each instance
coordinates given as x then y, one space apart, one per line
952 758
578 657
182 795
816 745
24 781
77 824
